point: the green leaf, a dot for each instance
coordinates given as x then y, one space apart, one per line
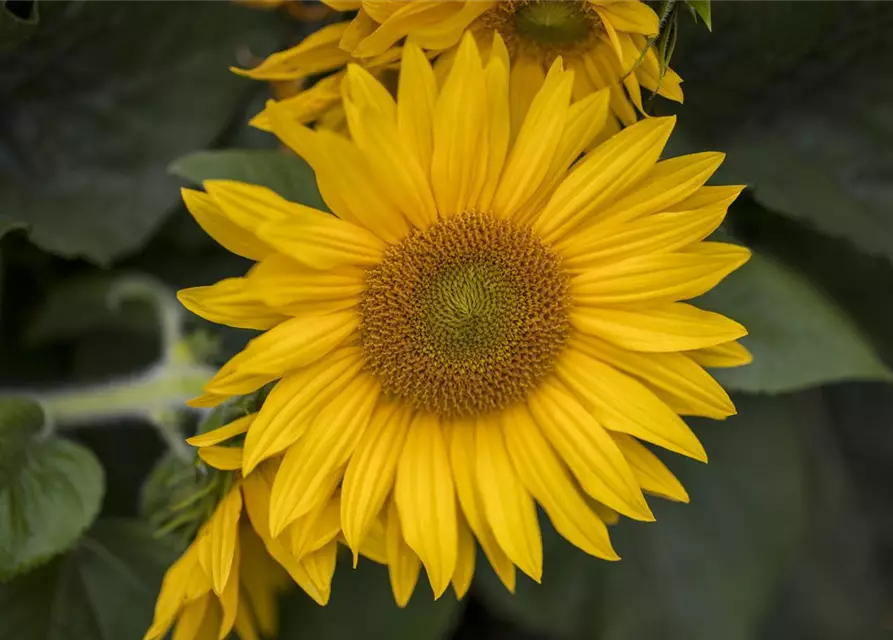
704 570
362 607
702 10
91 120
104 589
286 174
798 95
798 336
50 489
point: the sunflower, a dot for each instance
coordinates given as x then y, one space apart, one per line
487 322
230 576
607 43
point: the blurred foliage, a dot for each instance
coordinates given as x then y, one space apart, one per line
789 533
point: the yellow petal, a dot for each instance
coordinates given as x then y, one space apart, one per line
395 168
446 32
360 28
320 566
222 458
317 52
459 160
403 563
674 377
313 467
217 224
547 479
409 15
230 430
631 17
197 620
416 97
536 144
684 224
229 598
657 278
668 327
343 176
464 561
527 76
231 302
322 241
650 472
370 473
317 528
219 538
588 450
509 509
426 500
463 457
585 119
173 593
251 205
728 354
621 403
288 346
669 182
256 490
498 120
291 288
610 169
294 402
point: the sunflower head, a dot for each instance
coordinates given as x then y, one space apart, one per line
466 316
492 318
550 28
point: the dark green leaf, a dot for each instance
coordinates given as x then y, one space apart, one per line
50 489
286 174
91 120
104 589
702 9
798 336
362 607
81 305
799 95
703 571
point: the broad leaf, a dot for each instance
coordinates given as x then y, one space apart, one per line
286 174
104 589
100 100
362 607
798 95
50 489
703 571
798 336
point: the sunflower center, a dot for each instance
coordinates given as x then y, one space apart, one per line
546 28
553 23
465 317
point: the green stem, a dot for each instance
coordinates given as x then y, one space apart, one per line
160 389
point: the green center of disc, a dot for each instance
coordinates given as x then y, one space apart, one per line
468 307
552 22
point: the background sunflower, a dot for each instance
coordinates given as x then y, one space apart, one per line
788 532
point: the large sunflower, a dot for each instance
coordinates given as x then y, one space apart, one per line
605 42
487 322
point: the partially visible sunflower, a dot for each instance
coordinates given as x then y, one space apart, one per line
605 42
488 321
230 576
